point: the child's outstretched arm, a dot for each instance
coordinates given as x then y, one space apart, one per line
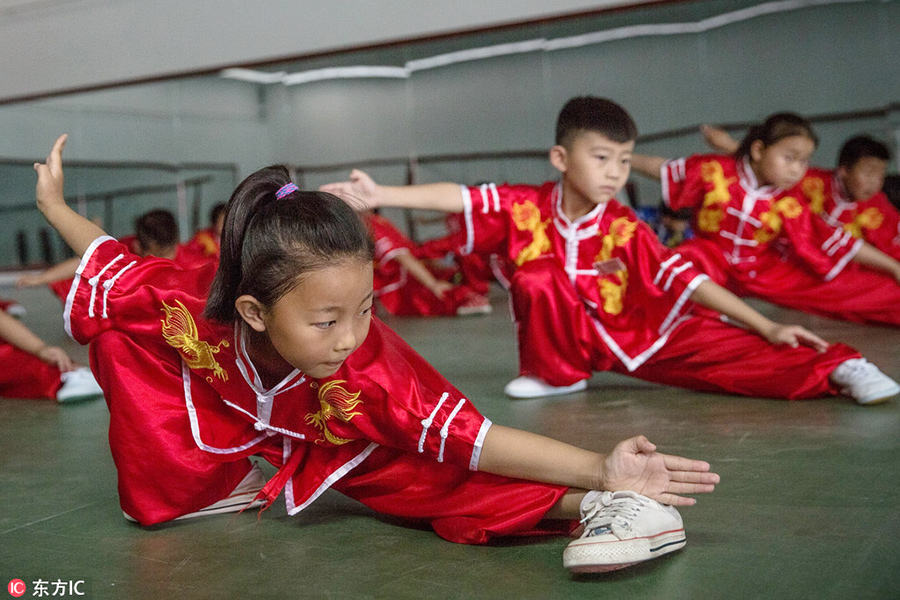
417 269
634 464
77 231
58 272
648 166
24 339
714 296
870 256
361 188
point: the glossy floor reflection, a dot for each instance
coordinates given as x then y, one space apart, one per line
809 505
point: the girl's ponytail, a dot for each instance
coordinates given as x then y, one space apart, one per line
776 127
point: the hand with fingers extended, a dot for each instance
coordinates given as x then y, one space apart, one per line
76 230
49 190
635 465
360 191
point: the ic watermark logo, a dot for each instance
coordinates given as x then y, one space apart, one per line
42 588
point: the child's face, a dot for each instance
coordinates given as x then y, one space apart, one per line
784 163
319 323
865 178
594 168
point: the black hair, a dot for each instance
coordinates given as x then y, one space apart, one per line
860 147
156 227
600 115
269 244
775 128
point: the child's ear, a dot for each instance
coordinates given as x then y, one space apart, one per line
252 312
756 150
559 158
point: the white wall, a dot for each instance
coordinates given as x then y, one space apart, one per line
62 45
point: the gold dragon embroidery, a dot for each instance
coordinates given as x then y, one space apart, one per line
773 219
870 218
814 189
620 233
714 201
527 217
335 402
180 332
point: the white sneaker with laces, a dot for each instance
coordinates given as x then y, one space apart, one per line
243 496
534 387
78 385
621 529
864 382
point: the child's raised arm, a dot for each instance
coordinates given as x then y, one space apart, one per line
361 188
77 231
648 166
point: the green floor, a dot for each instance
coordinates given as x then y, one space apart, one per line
808 507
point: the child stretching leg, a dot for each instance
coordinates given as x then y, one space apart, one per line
285 361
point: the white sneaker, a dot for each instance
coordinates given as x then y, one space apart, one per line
243 496
864 382
621 529
474 304
534 387
78 385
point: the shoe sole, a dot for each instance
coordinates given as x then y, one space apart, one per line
879 397
571 389
78 398
588 556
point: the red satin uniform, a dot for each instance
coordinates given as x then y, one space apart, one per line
602 293
188 407
399 292
24 375
765 242
875 219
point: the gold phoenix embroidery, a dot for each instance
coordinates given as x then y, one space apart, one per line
335 402
714 201
620 233
814 189
870 218
180 332
773 219
527 217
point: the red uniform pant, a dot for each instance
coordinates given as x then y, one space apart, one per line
23 375
856 294
559 343
163 474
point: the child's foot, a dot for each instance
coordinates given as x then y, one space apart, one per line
78 385
535 387
621 529
864 382
474 304
243 496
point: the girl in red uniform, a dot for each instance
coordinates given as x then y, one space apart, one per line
285 361
756 235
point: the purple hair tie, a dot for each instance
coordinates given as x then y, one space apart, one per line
286 189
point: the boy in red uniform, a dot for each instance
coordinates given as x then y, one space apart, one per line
595 290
